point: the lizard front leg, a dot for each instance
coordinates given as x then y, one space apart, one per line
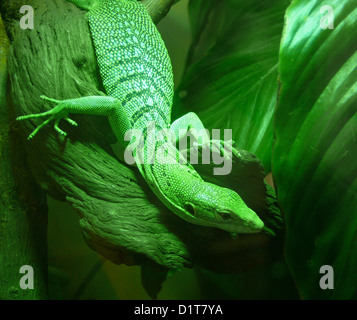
191 124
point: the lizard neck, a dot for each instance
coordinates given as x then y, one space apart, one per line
172 182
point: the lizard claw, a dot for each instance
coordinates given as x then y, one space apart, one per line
72 122
220 147
58 129
49 99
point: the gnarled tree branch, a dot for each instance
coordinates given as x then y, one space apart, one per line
23 209
158 9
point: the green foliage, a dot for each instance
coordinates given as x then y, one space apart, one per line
239 48
232 78
314 162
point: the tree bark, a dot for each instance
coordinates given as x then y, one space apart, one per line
158 8
23 209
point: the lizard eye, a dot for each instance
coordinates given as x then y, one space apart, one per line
224 215
190 208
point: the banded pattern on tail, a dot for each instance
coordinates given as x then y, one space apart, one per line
133 61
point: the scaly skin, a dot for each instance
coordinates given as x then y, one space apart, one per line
137 75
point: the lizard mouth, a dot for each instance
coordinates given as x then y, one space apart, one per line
225 220
239 226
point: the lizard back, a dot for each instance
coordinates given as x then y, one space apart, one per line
134 63
136 69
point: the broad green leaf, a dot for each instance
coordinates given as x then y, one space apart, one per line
231 81
315 152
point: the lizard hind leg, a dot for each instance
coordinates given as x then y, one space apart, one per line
60 111
93 105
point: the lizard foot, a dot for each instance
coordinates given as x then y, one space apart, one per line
60 111
220 147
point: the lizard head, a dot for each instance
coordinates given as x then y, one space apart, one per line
222 208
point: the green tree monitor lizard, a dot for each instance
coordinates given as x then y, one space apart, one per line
137 75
